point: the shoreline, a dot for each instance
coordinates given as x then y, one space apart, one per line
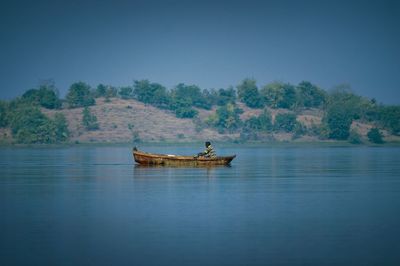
189 143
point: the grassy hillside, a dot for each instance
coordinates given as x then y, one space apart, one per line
128 120
148 112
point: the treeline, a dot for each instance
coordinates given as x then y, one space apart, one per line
340 108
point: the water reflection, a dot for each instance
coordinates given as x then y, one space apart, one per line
290 206
149 171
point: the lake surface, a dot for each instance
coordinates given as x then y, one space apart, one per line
302 205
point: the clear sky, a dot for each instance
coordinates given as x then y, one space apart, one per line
212 44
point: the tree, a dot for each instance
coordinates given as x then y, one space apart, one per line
248 93
3 114
279 95
101 90
389 117
185 112
375 136
89 120
343 96
338 120
263 122
285 122
182 108
79 95
226 118
29 125
125 92
309 95
226 96
45 95
342 107
61 127
354 137
191 94
150 93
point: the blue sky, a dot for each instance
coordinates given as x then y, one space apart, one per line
212 44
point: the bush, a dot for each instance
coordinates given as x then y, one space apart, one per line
343 98
225 96
375 136
389 117
79 95
126 92
338 120
61 127
354 137
285 122
89 120
309 95
263 122
279 95
191 95
151 93
248 94
299 130
101 91
45 96
185 112
3 114
226 118
29 125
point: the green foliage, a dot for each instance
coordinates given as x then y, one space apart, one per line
368 110
285 122
150 93
45 95
354 137
101 90
299 130
61 127
226 118
338 120
263 122
111 92
319 130
125 92
375 136
89 120
191 95
389 117
350 102
29 125
279 95
184 97
309 95
3 114
79 95
343 107
185 112
225 96
249 94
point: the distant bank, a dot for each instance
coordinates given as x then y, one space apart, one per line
149 113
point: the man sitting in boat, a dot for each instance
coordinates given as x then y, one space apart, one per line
209 151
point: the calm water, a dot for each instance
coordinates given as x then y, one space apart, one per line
282 205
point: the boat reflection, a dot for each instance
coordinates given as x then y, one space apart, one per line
154 171
181 166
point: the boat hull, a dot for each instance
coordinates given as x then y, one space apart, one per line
144 158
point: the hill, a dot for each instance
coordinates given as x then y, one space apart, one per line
123 120
148 112
128 120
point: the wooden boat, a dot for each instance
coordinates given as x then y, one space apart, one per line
145 158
